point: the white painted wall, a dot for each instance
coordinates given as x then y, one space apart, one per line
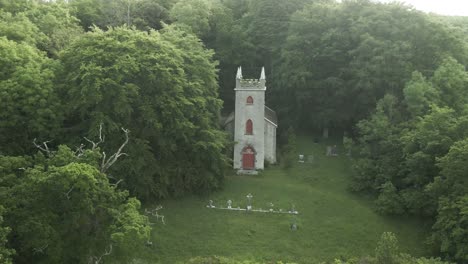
255 112
270 142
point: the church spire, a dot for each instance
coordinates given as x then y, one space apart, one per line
239 73
262 75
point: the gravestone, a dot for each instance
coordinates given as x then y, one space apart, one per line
301 158
210 205
293 226
249 204
334 151
325 132
293 209
329 151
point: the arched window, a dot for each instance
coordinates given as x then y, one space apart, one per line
249 100
248 127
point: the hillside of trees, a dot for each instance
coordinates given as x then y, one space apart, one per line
107 104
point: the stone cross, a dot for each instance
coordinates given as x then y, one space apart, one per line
301 158
211 204
249 197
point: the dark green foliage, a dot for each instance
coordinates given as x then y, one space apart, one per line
417 163
17 6
340 59
389 200
451 81
55 22
328 64
144 14
387 251
379 147
63 210
419 95
48 26
29 107
5 253
219 260
450 228
19 28
164 86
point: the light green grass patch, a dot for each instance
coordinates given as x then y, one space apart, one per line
333 222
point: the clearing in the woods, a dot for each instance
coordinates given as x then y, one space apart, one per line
332 222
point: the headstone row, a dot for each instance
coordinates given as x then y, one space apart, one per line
250 208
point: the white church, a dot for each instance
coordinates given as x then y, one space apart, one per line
253 125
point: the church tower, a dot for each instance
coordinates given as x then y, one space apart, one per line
249 124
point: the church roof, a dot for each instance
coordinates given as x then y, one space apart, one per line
271 115
230 118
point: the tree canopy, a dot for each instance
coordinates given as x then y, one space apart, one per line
162 71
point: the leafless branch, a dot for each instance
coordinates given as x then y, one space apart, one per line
43 146
103 162
106 163
79 150
117 183
40 249
101 139
97 260
67 194
154 212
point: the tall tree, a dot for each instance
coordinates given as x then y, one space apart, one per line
63 209
356 49
5 253
55 21
30 105
162 86
144 14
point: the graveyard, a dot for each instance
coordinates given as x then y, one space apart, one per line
304 214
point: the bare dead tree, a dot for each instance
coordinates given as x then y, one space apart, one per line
108 162
97 260
101 139
79 151
43 146
117 183
154 212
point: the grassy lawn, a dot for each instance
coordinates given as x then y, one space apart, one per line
332 221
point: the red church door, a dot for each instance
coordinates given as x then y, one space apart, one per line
248 159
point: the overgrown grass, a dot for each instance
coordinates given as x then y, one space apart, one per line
333 222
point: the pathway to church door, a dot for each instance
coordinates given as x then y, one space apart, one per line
248 159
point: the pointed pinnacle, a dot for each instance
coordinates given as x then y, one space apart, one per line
262 75
239 73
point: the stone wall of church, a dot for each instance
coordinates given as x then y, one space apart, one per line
270 142
254 112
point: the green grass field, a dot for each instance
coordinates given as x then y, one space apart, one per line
333 222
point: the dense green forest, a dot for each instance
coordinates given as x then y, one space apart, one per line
107 104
